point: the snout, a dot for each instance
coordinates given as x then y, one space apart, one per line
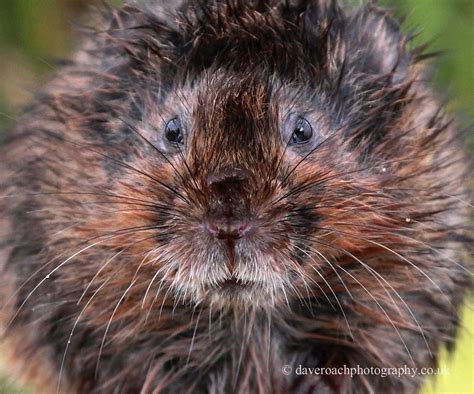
229 214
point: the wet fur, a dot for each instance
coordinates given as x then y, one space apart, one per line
108 279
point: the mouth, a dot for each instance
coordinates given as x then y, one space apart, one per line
234 286
232 283
237 292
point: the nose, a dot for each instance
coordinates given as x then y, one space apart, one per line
229 216
228 228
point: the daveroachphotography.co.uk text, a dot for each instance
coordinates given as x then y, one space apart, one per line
358 370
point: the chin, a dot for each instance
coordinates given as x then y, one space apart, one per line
252 284
243 295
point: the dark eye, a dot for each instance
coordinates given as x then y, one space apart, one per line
173 132
302 131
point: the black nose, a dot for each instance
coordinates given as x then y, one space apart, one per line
229 214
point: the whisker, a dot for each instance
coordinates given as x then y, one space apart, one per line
123 164
382 309
103 266
377 275
193 338
318 146
109 323
61 369
47 277
153 146
161 284
331 290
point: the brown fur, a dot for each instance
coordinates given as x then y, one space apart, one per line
357 249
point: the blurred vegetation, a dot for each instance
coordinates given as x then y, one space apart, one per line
33 33
448 25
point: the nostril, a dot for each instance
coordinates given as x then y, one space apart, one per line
227 175
227 229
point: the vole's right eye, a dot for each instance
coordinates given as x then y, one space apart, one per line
173 131
302 131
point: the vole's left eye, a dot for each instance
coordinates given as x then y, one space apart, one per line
302 131
173 131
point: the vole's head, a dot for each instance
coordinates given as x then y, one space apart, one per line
237 147
261 132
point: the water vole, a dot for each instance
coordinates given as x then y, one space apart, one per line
208 193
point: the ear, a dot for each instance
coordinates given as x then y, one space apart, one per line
323 24
375 45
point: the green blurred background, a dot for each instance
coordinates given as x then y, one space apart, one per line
34 33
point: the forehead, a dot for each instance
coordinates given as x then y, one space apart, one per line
234 95
254 93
